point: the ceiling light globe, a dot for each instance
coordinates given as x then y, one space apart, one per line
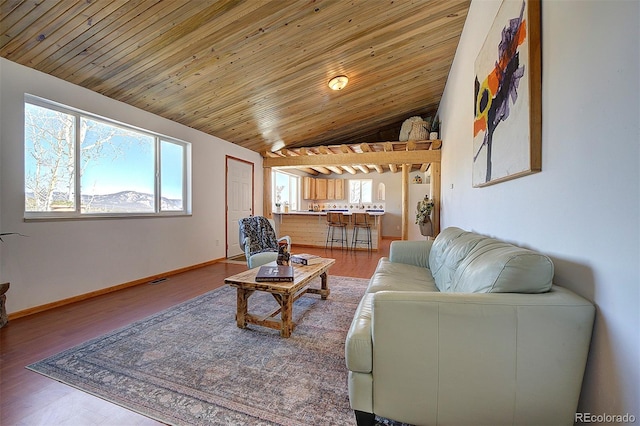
339 82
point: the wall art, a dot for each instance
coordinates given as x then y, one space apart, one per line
508 116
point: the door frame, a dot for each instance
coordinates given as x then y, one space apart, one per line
226 196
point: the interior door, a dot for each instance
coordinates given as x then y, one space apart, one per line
239 200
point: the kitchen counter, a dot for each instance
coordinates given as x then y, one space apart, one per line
324 213
309 228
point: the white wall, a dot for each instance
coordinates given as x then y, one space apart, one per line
63 259
417 192
392 219
583 208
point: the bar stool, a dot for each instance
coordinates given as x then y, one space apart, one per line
361 221
336 220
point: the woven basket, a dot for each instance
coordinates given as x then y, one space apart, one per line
419 131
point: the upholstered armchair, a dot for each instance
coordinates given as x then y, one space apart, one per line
259 241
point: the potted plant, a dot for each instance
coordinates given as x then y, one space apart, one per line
423 216
278 202
435 129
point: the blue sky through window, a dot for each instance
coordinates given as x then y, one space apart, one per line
118 166
115 160
172 169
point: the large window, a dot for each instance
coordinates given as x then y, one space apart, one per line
77 165
360 191
285 189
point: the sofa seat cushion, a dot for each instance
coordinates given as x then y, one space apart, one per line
391 276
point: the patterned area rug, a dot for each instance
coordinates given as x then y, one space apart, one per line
191 364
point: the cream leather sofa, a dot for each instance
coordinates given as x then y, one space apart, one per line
467 330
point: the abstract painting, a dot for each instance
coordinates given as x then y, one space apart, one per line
507 104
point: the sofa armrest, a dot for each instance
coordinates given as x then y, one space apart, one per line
245 243
358 349
504 358
287 239
411 252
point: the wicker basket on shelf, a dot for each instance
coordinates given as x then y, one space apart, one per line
419 131
414 128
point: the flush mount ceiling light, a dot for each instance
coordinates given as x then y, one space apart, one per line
339 82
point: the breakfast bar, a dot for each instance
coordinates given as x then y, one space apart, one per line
309 228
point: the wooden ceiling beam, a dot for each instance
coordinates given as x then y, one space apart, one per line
329 159
346 149
388 147
321 169
353 159
315 169
286 153
335 169
309 170
349 169
364 147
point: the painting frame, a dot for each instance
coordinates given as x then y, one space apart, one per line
507 129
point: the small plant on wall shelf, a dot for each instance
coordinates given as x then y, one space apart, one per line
423 216
435 129
424 208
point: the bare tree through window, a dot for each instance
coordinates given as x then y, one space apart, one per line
77 163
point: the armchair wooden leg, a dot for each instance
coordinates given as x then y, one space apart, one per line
365 419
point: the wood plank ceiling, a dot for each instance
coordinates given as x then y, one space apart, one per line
252 72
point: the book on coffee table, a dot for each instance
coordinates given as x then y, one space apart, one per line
305 259
278 273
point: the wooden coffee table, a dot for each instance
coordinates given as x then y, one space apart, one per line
285 294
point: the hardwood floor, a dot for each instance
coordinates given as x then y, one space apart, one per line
27 398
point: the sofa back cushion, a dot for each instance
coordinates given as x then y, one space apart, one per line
465 262
449 249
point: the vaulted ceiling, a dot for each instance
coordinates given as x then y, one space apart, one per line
251 72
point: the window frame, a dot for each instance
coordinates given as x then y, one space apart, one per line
359 182
158 139
293 194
